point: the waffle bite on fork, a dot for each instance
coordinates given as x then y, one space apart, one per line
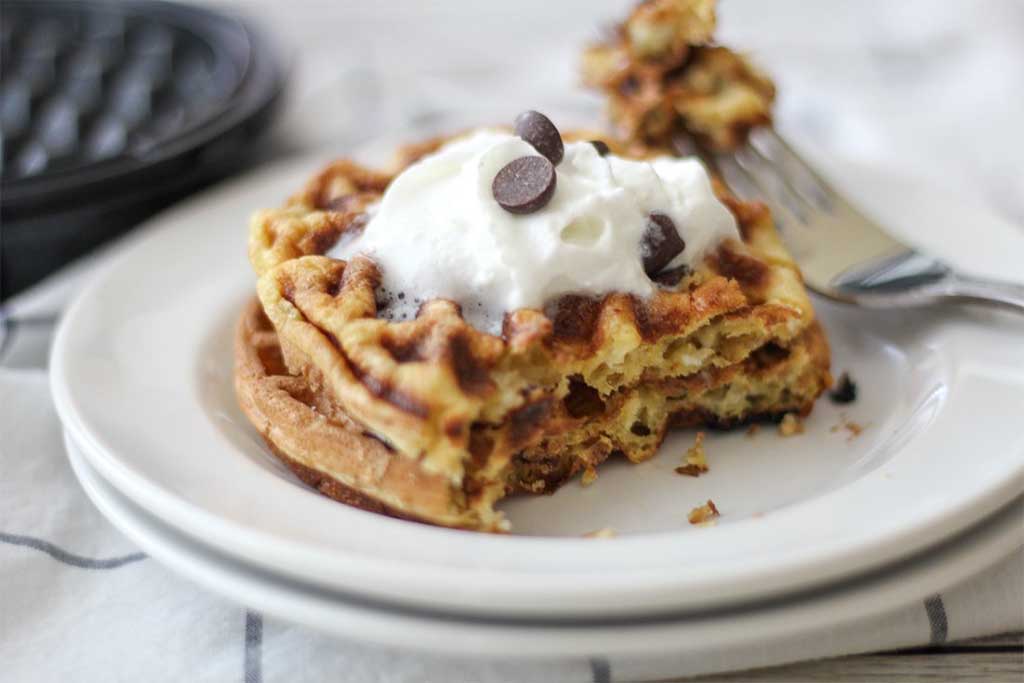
429 382
664 76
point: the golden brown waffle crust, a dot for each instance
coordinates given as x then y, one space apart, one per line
455 405
322 445
329 452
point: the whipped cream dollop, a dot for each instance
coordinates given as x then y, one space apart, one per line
439 233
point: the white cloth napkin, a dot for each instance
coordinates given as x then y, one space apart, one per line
77 600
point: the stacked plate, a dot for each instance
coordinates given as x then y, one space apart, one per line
879 503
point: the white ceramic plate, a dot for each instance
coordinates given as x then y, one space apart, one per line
141 375
671 645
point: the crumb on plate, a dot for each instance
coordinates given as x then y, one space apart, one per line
606 532
853 429
791 425
845 391
703 514
696 462
589 476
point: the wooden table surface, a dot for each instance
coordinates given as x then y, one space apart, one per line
998 659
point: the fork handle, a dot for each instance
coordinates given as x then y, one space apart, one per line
984 291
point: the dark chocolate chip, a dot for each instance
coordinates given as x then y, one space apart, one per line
525 184
672 276
640 429
845 391
601 146
537 129
661 244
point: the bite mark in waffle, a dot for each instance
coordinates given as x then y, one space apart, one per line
432 419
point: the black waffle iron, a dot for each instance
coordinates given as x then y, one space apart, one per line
110 111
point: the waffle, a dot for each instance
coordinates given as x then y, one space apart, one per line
435 420
663 76
320 443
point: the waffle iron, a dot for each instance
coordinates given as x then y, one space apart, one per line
110 111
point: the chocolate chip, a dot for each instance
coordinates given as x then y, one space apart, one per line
537 129
525 184
845 391
661 244
601 146
672 276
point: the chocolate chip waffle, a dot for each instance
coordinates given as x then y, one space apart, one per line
435 420
664 76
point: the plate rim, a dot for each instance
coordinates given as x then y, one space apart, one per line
955 560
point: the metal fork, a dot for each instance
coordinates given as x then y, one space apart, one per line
843 254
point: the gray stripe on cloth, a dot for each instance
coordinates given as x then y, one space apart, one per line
64 556
600 670
937 619
253 647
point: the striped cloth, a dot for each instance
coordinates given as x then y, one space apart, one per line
79 602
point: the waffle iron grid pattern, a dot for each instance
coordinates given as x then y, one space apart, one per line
86 84
110 111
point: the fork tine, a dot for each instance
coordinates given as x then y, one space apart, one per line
805 180
787 174
736 174
736 178
770 185
746 186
